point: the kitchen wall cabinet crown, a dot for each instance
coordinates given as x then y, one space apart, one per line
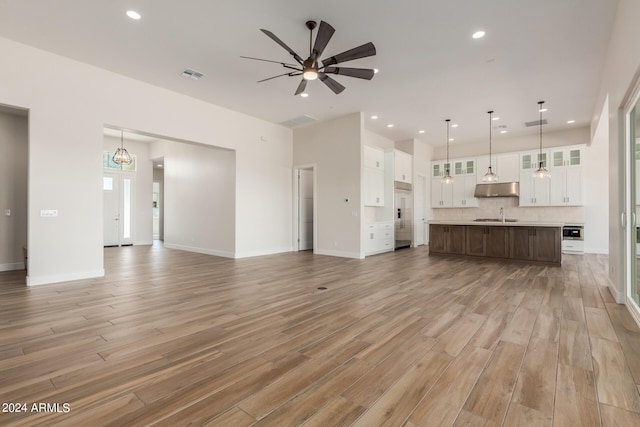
403 163
373 176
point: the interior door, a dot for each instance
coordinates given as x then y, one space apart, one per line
111 209
305 213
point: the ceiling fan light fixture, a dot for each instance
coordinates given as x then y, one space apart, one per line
310 74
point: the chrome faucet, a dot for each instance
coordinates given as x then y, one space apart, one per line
502 215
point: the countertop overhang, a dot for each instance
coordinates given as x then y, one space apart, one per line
497 223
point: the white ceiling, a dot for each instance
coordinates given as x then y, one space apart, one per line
430 67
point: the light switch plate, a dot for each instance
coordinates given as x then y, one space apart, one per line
48 212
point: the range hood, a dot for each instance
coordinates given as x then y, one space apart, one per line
498 189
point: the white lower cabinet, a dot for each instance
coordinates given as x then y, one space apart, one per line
378 237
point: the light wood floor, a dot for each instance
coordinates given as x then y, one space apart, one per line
174 338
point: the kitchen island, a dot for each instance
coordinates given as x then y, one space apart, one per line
531 241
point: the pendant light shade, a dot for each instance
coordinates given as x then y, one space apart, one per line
490 176
541 172
447 179
122 156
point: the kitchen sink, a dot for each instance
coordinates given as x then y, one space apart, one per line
494 220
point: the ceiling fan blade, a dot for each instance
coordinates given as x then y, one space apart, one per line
361 73
267 60
281 43
367 49
331 84
275 77
301 87
325 32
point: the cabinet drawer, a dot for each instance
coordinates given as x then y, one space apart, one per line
386 244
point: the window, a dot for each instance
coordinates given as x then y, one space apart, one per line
107 183
108 163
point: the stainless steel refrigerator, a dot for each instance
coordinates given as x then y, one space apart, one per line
403 206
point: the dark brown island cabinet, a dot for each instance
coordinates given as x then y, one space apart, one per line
530 243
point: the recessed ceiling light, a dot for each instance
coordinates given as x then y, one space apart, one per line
478 34
542 110
133 14
496 118
160 166
304 94
454 126
375 71
503 131
390 125
420 131
570 122
374 117
451 139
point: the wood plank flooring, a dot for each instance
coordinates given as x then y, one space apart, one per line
171 338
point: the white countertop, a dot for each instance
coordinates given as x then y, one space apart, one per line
524 223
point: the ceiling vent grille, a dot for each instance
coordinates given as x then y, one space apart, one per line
535 123
192 74
298 121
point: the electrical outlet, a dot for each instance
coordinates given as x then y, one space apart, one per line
49 213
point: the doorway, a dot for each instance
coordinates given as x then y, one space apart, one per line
632 202
305 209
421 214
118 205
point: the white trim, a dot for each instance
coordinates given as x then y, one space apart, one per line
616 294
599 251
12 267
67 277
262 253
144 243
205 251
341 254
633 309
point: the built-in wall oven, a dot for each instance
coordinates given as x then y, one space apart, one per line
573 239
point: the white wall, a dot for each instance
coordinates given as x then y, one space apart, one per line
143 225
199 191
69 105
596 190
13 190
372 139
336 148
621 65
508 144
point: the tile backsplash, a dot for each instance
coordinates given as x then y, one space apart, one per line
490 208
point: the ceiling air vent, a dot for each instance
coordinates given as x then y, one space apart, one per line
298 121
192 74
534 123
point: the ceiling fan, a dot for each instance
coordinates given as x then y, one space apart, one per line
313 68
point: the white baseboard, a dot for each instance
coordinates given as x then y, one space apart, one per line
144 243
615 293
205 251
342 254
599 251
262 253
12 267
67 277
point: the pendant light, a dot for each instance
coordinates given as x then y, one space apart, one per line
447 179
122 156
490 176
541 172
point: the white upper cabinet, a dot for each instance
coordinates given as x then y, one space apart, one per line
403 171
438 169
373 158
566 176
464 188
441 194
507 167
373 176
482 164
533 191
530 160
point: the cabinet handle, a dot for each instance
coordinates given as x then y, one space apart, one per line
371 236
377 199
